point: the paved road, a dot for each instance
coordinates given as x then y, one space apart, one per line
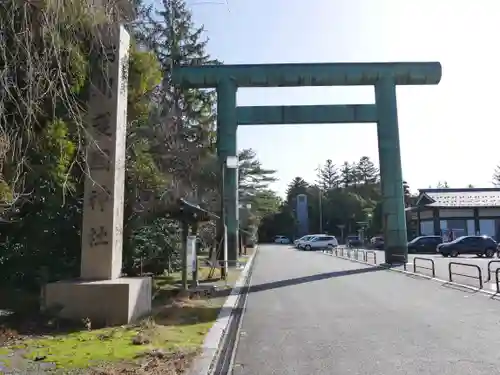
308 313
442 271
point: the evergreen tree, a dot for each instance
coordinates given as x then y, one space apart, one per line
184 118
442 185
496 176
347 177
328 176
296 187
366 171
407 194
252 177
266 202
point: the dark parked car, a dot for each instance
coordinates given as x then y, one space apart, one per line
354 241
478 245
424 244
377 243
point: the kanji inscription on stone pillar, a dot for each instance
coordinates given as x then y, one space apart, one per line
102 231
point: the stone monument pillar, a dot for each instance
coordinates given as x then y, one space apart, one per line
102 231
100 293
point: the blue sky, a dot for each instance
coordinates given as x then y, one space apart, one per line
448 132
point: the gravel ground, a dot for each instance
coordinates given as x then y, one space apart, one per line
308 313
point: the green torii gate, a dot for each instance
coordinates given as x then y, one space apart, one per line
384 76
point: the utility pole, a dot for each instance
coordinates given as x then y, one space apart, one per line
341 227
320 193
223 271
320 199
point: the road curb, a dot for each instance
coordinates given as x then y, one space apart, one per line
210 350
435 279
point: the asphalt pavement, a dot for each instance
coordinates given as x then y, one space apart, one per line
308 313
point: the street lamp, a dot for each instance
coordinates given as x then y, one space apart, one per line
231 162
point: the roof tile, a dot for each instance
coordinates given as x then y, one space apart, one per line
464 198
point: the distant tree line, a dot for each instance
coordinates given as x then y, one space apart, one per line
349 194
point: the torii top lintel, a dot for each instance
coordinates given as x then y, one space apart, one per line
311 74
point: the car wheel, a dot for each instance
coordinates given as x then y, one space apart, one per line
307 248
454 253
445 255
489 253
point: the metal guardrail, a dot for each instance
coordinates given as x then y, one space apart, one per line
360 252
497 271
479 277
365 254
374 255
488 279
432 268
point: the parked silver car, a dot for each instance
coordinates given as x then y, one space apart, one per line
299 244
320 242
281 239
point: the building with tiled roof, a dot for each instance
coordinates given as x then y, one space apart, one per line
465 211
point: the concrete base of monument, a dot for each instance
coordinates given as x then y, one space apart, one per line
108 302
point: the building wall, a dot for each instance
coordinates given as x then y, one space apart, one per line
485 212
427 214
456 212
461 221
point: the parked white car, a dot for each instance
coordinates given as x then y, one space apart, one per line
299 244
320 242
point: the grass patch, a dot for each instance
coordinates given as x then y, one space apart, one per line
180 326
165 343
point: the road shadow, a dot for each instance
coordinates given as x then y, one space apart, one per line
303 280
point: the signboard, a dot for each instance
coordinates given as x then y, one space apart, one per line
191 253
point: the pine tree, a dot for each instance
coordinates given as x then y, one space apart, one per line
496 176
297 186
252 177
347 177
184 118
407 194
442 185
328 176
366 171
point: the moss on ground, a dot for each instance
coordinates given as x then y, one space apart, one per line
177 328
171 330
